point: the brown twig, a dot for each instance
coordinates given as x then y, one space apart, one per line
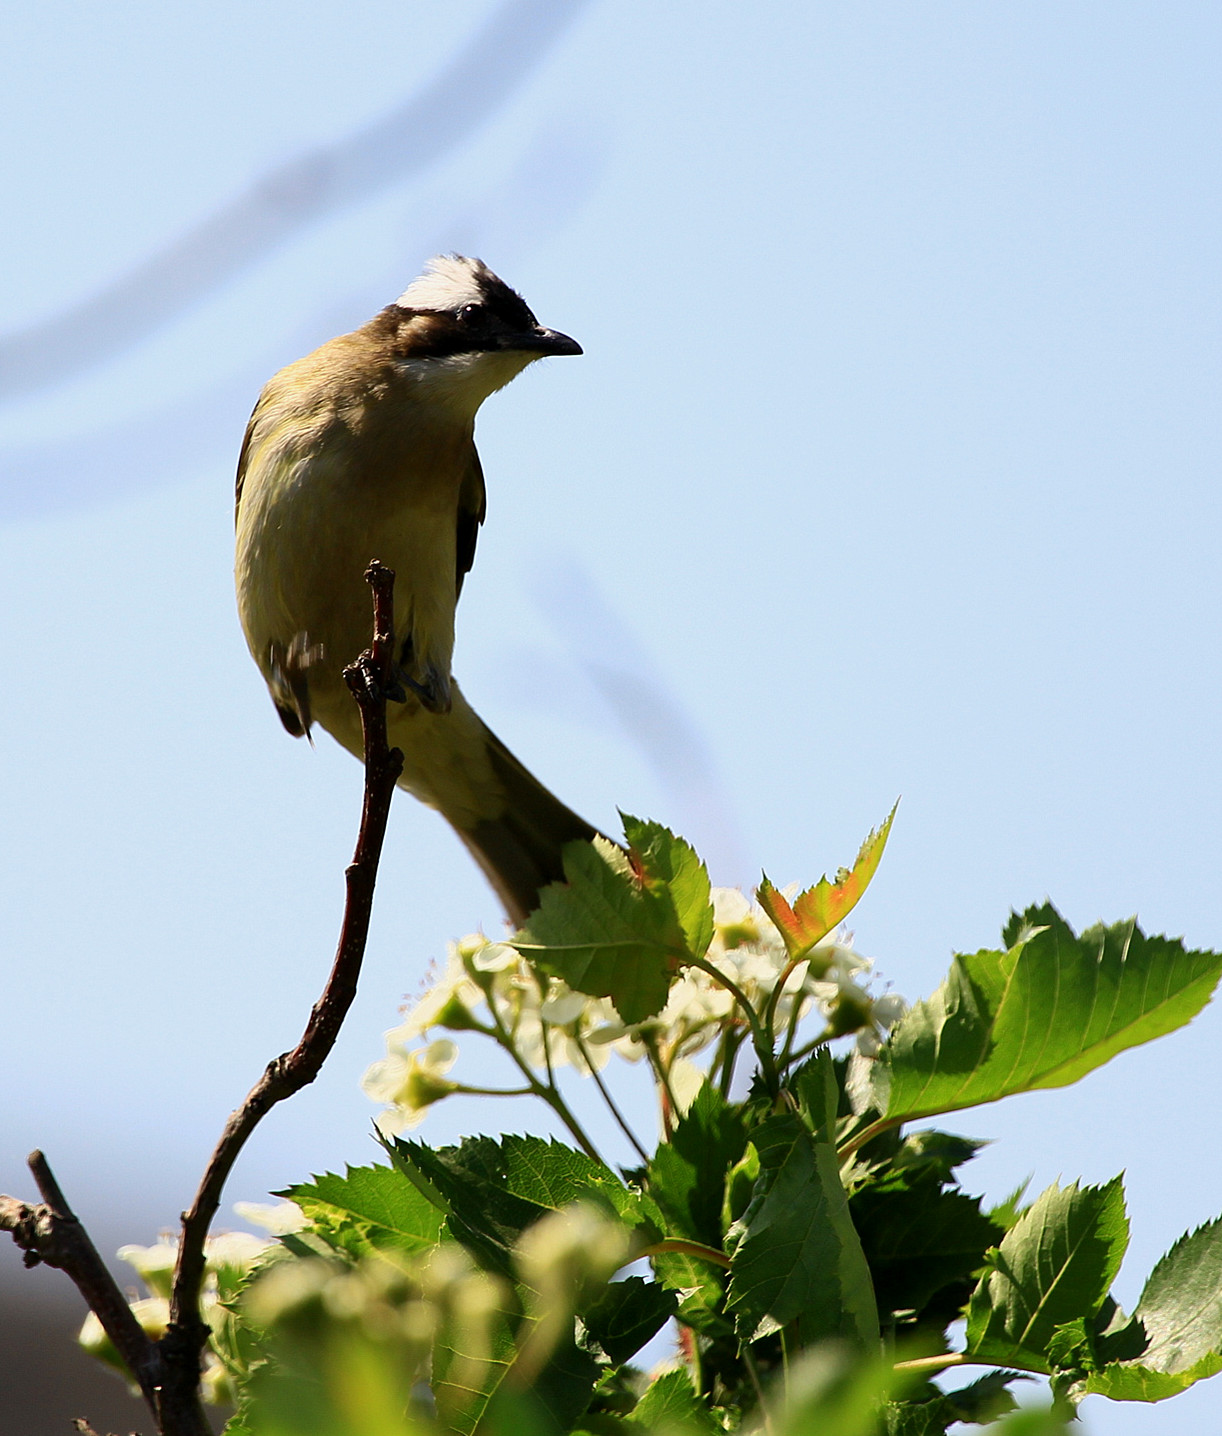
368 679
168 1370
51 1233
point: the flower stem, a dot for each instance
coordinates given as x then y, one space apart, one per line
607 1098
759 1038
466 1091
774 996
549 1093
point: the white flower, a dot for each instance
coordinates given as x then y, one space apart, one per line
885 1012
154 1265
278 1218
451 1000
234 1251
409 1082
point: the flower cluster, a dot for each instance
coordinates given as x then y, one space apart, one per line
489 988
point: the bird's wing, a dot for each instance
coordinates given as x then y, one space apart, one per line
472 506
243 457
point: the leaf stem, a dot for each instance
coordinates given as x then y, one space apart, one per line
732 1041
867 1134
935 1363
696 1249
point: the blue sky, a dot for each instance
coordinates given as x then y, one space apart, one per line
890 468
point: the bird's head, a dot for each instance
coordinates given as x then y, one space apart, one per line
462 333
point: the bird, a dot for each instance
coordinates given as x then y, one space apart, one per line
363 450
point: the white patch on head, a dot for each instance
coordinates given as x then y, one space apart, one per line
449 281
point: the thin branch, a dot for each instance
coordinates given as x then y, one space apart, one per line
168 1370
368 679
51 1233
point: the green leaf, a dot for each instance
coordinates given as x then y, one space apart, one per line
492 1191
986 1398
1011 1206
608 931
1042 1014
627 1315
814 913
1053 1266
551 1405
919 1240
668 863
503 1403
392 1212
672 1405
1181 1313
700 1287
797 1257
919 1418
687 1175
815 1086
932 1153
834 1391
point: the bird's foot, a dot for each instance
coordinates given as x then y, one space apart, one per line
432 689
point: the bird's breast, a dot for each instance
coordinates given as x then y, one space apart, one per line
323 494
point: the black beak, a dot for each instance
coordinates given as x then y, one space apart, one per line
542 341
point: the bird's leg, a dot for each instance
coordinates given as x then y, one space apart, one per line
429 685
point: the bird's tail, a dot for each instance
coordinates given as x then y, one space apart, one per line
519 849
514 828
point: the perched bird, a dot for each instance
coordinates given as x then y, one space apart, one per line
365 449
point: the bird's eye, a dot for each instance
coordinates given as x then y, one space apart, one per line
471 314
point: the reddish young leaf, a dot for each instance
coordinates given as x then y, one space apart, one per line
818 910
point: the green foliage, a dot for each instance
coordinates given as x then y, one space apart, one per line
1054 1265
372 1205
809 1254
814 913
796 1256
1043 1013
622 925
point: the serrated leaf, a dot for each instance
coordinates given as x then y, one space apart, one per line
1042 1014
667 862
814 913
797 1257
393 1211
504 1403
606 932
1181 1313
672 1405
932 1153
919 1418
687 1175
920 1239
492 1191
986 1398
700 1289
1053 1266
817 1091
627 1315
